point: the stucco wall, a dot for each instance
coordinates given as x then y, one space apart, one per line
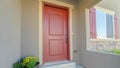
30 28
88 58
10 27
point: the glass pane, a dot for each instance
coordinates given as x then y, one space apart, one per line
101 24
109 21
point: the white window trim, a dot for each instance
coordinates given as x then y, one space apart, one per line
105 10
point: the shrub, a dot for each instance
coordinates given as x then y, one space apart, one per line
27 62
116 51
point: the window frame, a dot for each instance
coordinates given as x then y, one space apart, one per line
107 11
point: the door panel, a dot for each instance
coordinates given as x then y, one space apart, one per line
55 34
56 47
55 28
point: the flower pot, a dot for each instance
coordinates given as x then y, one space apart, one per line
36 66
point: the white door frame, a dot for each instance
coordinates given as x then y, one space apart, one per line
40 26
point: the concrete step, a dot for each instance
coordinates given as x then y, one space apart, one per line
61 64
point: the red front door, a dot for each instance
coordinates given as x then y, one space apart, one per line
55 34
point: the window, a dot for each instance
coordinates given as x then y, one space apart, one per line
103 31
103 24
100 24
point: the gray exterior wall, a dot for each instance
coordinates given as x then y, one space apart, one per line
10 27
30 28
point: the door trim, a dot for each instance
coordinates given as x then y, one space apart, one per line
59 3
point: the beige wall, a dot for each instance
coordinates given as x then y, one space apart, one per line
93 59
30 28
10 26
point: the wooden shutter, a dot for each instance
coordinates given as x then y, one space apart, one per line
92 18
116 26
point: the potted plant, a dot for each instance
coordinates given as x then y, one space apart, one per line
27 62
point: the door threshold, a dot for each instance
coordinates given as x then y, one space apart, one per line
56 62
59 64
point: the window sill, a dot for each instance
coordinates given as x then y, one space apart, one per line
104 39
107 53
